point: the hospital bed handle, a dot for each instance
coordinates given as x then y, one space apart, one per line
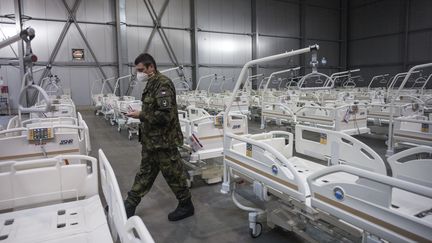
393 182
325 87
135 225
30 109
19 129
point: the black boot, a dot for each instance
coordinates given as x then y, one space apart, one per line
130 209
184 209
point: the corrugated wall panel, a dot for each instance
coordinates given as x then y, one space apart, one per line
376 51
6 7
272 46
224 49
420 47
177 14
420 14
387 17
46 9
325 3
224 15
137 38
278 18
379 18
322 23
136 13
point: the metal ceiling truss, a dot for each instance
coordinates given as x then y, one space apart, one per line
156 18
70 20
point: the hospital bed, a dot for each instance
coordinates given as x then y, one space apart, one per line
348 197
218 102
412 130
110 104
317 106
203 140
48 200
190 98
97 97
124 122
406 128
350 119
271 101
62 104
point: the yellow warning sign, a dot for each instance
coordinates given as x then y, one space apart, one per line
323 138
425 127
249 150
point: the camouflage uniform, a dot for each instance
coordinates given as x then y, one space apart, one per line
160 136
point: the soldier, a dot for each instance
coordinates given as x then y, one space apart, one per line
160 136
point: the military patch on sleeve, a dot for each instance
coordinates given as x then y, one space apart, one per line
164 103
164 99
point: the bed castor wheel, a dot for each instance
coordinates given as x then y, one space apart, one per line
119 129
112 122
256 231
130 136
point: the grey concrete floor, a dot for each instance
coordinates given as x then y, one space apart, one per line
216 217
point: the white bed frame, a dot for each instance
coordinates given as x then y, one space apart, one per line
203 138
56 202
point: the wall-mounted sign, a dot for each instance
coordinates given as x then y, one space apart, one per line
78 54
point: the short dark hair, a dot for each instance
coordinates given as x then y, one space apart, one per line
146 59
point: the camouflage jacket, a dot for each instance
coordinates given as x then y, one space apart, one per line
160 127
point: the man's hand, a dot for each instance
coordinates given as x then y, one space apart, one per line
133 114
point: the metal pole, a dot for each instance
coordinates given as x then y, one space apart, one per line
343 35
255 36
18 24
406 34
348 34
302 8
194 43
121 34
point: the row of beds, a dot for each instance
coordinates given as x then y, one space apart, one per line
318 179
51 189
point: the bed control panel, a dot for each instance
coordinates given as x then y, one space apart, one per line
38 134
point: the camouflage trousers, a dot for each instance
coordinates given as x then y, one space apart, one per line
168 161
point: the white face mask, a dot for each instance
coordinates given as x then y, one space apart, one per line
141 77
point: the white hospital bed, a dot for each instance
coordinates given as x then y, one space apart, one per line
203 139
97 97
410 123
46 200
125 122
414 130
